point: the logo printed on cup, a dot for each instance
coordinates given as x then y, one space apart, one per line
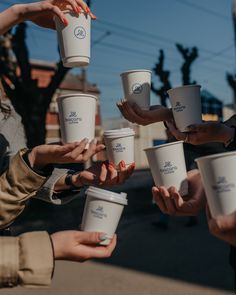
119 148
168 168
137 88
99 213
73 118
80 32
222 185
178 107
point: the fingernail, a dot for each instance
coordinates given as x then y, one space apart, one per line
102 237
65 21
78 9
123 163
86 140
77 143
110 166
88 9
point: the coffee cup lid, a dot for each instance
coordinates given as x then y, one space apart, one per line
184 86
120 198
122 132
134 71
163 145
76 95
216 156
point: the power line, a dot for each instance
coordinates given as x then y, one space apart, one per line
145 34
204 9
148 35
172 49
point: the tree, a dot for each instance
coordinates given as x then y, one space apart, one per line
231 79
30 101
164 78
189 55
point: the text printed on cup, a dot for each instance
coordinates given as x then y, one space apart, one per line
178 107
119 148
222 185
98 213
168 168
73 118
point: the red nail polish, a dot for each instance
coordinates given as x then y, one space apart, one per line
122 163
65 21
88 9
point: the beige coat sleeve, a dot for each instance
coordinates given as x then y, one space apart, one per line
16 186
26 260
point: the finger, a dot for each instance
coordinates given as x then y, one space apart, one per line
104 251
88 11
76 153
123 174
99 148
103 173
168 201
158 199
139 111
74 5
113 174
124 112
56 11
131 169
68 147
175 196
83 5
89 238
177 134
226 223
112 245
133 115
91 150
183 208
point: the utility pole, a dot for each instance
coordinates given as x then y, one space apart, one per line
83 70
234 24
231 78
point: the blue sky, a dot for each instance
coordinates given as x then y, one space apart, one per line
138 29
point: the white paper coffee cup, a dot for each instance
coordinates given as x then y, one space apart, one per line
120 145
137 87
219 180
186 105
102 212
167 164
74 39
77 116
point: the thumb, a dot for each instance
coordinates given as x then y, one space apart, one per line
138 110
91 238
68 147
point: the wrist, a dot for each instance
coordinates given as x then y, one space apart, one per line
55 245
17 12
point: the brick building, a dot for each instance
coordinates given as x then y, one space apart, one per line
43 72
